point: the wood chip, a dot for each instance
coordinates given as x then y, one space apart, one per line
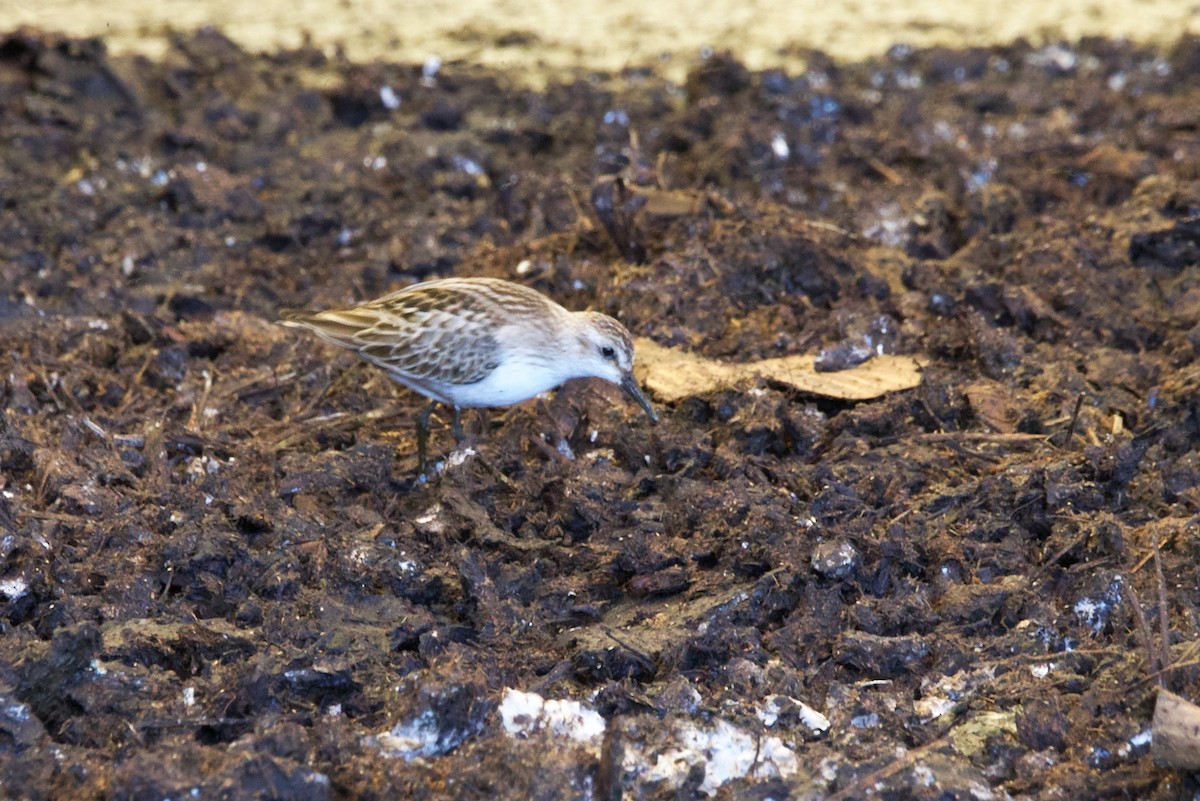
1176 730
671 375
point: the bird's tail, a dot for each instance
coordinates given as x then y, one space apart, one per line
342 327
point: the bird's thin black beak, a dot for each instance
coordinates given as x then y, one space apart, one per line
630 385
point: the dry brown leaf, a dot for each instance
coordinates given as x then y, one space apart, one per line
671 374
1000 407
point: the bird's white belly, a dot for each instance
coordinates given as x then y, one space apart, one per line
506 385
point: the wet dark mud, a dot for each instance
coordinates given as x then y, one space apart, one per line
220 580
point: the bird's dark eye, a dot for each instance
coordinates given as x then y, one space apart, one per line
608 353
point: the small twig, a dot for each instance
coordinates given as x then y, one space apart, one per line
136 381
552 454
824 226
1158 675
95 428
336 420
632 649
1074 420
262 384
1065 549
1144 633
889 175
1150 554
492 470
1164 624
196 423
582 218
979 436
560 671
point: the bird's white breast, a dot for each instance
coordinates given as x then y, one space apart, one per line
512 382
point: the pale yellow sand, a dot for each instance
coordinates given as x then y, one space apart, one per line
545 37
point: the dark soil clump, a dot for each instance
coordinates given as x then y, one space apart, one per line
220 579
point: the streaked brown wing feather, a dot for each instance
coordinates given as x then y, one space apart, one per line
432 335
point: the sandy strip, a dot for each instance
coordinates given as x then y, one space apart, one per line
535 38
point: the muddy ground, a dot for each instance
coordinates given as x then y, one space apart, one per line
220 579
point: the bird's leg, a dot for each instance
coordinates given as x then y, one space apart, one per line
457 428
423 438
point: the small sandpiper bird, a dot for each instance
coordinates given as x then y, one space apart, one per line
472 342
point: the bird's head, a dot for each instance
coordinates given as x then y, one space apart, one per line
606 351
